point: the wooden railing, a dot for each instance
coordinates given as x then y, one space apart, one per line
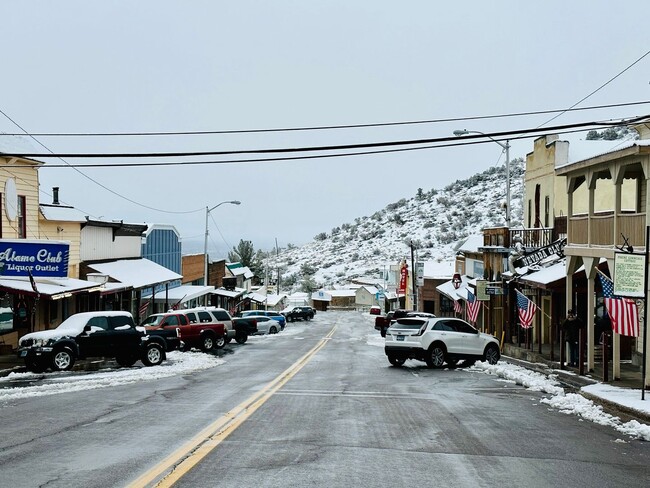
631 226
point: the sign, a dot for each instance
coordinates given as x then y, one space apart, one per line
419 273
535 257
629 274
40 258
481 290
494 288
456 281
403 278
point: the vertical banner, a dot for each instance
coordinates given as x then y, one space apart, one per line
403 277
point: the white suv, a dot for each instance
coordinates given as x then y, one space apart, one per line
437 341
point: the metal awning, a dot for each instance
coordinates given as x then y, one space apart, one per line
236 293
138 273
51 288
181 294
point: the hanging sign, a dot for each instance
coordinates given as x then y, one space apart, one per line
629 275
19 257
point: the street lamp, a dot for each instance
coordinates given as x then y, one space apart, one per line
205 246
506 147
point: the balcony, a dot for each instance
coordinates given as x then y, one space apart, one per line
631 225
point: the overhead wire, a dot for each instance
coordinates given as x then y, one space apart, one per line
324 127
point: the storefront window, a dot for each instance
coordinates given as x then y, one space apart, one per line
6 314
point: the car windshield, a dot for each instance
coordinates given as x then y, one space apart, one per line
410 324
152 320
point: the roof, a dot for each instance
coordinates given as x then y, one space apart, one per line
138 273
550 274
447 289
237 292
51 287
581 149
17 145
342 293
242 271
61 213
370 289
272 300
438 271
322 296
471 244
182 294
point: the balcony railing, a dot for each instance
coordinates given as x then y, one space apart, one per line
631 226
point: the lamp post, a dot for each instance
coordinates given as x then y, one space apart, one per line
205 246
506 147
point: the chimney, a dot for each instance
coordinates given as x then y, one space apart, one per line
55 195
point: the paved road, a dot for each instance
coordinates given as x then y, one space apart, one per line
340 415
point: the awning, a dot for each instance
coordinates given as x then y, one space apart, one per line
181 294
52 288
138 273
546 276
447 289
236 293
256 297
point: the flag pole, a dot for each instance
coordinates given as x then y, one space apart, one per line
645 313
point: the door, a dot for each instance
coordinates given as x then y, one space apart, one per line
95 341
124 337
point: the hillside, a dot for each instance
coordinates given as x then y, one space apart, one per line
432 219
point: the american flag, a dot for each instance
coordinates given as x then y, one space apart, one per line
143 308
473 306
458 308
624 315
622 311
526 310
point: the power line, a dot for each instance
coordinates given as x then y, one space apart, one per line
596 90
493 135
336 147
324 127
460 142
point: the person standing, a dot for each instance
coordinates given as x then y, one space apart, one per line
571 327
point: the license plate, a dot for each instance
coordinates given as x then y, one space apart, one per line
400 338
22 354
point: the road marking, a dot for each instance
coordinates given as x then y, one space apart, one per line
179 462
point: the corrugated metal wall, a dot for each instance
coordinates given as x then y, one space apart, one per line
97 243
163 246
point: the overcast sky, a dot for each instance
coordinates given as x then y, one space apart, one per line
118 66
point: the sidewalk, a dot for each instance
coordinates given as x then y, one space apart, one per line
621 397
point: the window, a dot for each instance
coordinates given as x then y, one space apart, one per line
22 218
171 320
205 317
221 315
446 304
461 326
530 212
120 322
442 325
547 210
99 322
191 316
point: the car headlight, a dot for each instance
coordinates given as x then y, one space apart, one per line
40 342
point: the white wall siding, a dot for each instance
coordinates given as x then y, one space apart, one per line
97 243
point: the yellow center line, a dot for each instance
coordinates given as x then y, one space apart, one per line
179 462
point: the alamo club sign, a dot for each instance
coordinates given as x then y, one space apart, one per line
40 258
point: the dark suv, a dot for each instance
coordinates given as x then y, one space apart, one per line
91 334
300 313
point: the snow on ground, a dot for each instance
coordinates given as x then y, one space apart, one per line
568 403
177 363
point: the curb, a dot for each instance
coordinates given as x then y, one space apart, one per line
576 382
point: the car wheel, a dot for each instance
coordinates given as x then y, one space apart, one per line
220 342
63 359
241 337
308 317
207 343
153 355
126 360
436 356
35 365
273 330
492 354
396 360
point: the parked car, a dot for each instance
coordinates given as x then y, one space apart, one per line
374 310
382 323
205 333
437 341
91 334
234 328
300 313
267 313
266 325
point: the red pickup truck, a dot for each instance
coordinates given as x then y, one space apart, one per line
206 333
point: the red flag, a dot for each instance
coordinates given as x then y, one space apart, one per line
526 310
624 315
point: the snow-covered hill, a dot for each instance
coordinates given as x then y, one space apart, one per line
433 220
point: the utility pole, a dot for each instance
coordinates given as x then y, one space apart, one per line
277 264
415 302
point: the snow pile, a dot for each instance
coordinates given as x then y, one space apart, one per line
177 364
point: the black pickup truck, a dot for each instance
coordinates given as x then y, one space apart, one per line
91 334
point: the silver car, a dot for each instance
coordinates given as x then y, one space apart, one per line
266 325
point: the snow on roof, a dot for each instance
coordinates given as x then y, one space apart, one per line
471 244
243 270
436 271
62 213
138 273
182 294
581 149
16 145
272 300
322 296
48 286
229 293
371 289
547 275
447 289
342 293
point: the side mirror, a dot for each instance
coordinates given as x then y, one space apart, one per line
86 328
